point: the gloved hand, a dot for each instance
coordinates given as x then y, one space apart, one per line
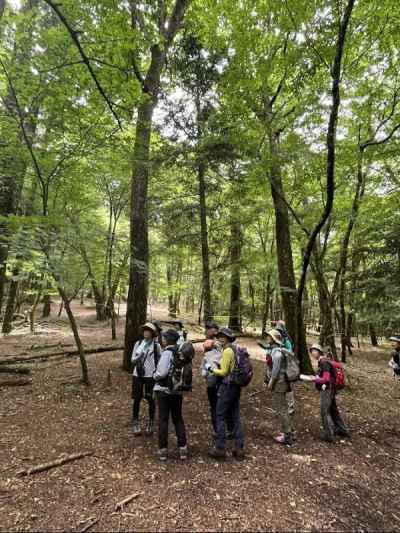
208 367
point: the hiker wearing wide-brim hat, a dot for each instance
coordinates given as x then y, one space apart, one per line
145 356
394 362
282 393
228 402
316 347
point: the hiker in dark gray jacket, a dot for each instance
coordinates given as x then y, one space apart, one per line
281 389
169 402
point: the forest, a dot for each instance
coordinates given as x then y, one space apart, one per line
190 161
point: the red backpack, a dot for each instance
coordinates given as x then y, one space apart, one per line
339 374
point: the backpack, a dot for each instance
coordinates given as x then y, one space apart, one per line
292 365
180 375
242 372
339 379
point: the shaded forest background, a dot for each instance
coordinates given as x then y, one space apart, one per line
237 160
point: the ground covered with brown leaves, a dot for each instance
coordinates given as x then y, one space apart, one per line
351 485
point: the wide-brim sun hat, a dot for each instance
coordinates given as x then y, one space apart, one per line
317 347
394 339
150 326
228 333
275 336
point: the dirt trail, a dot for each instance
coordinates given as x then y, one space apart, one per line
352 485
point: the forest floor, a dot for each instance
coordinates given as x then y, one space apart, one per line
351 485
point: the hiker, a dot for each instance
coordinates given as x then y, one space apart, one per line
282 393
211 330
145 356
325 382
212 357
169 401
286 340
394 362
228 402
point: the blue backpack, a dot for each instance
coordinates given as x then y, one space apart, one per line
242 372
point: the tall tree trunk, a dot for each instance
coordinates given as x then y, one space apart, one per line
136 311
207 306
235 316
287 280
171 299
330 160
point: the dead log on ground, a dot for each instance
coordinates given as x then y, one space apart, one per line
52 464
14 370
67 353
91 522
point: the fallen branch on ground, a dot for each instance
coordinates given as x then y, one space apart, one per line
13 383
126 500
58 462
92 521
255 393
14 370
68 353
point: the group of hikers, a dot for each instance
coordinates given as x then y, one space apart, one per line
162 372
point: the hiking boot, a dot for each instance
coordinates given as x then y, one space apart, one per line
150 427
217 453
294 436
327 439
163 454
238 453
343 433
136 428
183 451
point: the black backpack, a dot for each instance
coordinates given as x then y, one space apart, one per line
139 365
180 375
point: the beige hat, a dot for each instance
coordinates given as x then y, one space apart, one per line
316 347
150 326
276 336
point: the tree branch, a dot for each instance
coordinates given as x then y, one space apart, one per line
85 59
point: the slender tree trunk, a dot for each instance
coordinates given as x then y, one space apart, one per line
330 162
32 311
10 306
235 316
208 311
75 331
171 299
373 335
46 306
267 305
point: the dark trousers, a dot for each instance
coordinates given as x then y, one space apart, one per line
332 422
212 393
170 404
228 406
143 388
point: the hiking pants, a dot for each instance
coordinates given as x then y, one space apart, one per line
143 388
283 405
170 404
331 421
228 406
212 393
